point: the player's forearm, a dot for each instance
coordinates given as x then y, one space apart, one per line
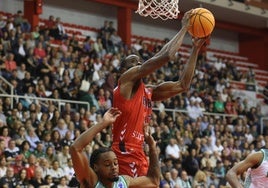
86 137
154 168
232 179
172 47
189 69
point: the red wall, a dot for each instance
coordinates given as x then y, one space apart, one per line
255 48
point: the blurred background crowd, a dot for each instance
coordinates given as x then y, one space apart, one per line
200 134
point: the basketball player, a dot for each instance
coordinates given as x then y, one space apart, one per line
256 167
133 99
104 168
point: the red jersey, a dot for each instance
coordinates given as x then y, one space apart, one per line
10 65
128 136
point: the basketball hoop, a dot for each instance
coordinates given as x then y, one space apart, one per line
164 9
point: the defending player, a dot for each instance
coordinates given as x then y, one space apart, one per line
103 169
256 166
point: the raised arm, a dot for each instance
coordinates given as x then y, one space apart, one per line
153 175
252 160
166 54
84 173
170 89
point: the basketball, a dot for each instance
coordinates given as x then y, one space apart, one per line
202 23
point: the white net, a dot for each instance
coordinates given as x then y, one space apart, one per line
164 9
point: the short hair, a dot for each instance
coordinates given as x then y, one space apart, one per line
96 155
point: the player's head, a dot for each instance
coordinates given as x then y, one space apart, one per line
128 62
105 164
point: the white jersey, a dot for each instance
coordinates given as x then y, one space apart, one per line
120 183
258 177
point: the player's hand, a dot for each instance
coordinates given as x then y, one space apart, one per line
148 137
186 18
111 115
198 42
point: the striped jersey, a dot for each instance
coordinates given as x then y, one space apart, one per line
128 127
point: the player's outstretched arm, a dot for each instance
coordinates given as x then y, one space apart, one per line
153 175
170 89
169 50
84 173
167 53
252 160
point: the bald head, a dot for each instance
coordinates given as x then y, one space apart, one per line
129 61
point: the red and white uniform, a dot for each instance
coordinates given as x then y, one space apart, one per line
128 136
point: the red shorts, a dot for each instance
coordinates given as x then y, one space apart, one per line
133 163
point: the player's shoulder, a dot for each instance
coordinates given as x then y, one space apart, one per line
130 74
256 157
127 179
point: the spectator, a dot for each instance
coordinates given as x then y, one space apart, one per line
61 127
31 62
39 150
49 181
50 154
25 149
184 180
21 71
44 164
219 171
36 33
3 118
31 166
218 104
265 92
2 23
67 140
60 33
18 164
56 172
144 52
194 110
50 24
32 138
173 150
175 176
111 28
3 166
98 47
19 20
63 156
200 179
190 163
11 151
56 139
22 178
8 66
9 180
20 51
30 93
69 170
63 182
116 40
39 52
167 179
5 135
37 180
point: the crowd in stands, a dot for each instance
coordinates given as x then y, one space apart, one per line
195 148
